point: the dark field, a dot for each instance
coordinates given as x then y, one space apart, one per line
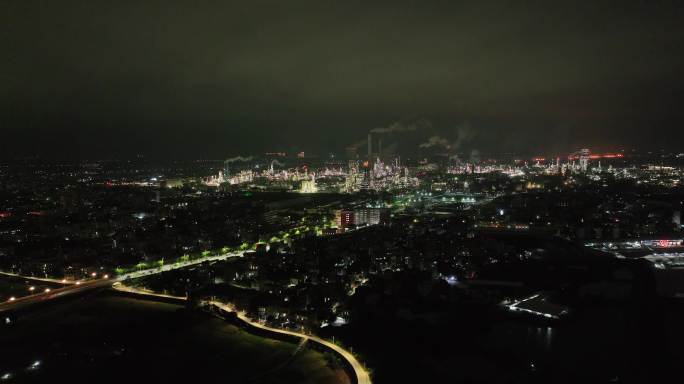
107 339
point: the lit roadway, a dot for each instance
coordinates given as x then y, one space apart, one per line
50 294
362 376
177 265
44 279
75 287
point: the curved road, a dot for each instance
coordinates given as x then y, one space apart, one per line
362 376
74 287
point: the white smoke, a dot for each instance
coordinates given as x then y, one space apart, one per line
464 134
358 144
238 158
409 126
435 141
474 156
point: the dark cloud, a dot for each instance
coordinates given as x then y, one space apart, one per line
221 78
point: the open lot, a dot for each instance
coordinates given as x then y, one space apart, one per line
107 339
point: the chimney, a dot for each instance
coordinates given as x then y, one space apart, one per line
370 145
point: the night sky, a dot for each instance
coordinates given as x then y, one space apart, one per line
190 79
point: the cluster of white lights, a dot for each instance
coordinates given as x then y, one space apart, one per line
515 307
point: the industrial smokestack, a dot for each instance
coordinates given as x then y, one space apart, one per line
380 147
370 145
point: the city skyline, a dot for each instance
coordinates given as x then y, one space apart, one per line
326 192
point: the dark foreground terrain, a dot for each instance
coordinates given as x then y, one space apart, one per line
104 338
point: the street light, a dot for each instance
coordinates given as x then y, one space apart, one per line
12 298
32 288
47 290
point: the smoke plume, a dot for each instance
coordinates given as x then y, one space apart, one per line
474 156
238 158
464 134
435 141
409 126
